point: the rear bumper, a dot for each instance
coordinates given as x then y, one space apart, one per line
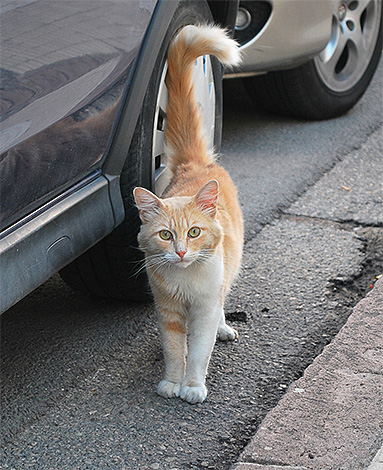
295 31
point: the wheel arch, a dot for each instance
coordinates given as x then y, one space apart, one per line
224 13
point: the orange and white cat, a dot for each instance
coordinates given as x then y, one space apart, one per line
193 237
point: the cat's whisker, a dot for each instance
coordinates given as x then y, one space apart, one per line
140 269
148 261
155 262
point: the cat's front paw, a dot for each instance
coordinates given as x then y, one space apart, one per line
193 395
168 389
226 333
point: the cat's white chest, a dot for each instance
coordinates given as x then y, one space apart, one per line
197 281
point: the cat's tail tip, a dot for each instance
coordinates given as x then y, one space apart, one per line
211 39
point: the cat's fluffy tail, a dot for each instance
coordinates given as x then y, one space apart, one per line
185 138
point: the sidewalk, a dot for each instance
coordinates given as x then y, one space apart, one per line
332 417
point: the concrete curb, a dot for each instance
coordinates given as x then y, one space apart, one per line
332 417
377 463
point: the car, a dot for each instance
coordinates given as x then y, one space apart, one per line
308 59
83 107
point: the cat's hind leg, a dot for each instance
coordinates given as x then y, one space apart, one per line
225 332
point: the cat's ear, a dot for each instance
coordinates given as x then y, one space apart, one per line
148 203
207 197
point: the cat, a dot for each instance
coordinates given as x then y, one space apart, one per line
192 238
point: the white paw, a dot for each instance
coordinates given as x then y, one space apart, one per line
193 394
226 333
168 389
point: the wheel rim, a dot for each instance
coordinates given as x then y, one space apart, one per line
203 81
355 29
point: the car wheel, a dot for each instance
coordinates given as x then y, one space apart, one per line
331 83
114 267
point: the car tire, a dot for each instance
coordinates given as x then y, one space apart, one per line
114 266
332 83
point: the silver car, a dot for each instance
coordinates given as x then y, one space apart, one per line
309 59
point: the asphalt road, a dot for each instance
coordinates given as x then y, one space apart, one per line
79 375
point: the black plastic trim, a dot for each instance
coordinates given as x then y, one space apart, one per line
224 12
49 241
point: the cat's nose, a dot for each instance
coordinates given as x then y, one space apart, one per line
181 253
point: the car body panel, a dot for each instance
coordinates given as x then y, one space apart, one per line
295 31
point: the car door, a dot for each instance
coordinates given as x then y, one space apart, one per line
64 70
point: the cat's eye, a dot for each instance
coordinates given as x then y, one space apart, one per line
166 235
194 232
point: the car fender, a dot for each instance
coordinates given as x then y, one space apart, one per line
294 32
